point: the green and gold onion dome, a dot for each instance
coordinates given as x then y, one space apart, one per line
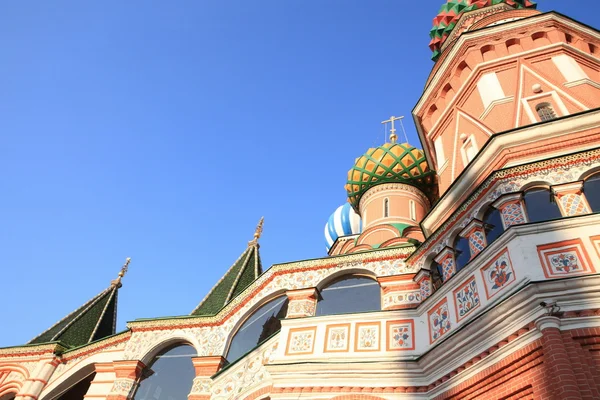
390 163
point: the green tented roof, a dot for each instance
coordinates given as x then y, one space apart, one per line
240 275
94 320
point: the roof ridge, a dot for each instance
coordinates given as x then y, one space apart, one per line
101 317
88 304
240 272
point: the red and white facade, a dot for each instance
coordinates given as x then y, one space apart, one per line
521 320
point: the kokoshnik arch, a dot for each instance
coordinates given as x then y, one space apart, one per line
467 269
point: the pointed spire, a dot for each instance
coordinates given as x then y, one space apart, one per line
94 320
124 268
245 270
257 232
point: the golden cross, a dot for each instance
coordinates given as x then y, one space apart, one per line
393 136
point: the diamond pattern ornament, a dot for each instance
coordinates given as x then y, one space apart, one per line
573 204
390 163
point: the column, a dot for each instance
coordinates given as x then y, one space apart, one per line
103 381
423 279
33 386
447 261
205 367
127 374
399 291
556 360
512 209
302 303
475 233
570 199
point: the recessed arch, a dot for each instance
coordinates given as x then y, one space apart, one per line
349 293
169 375
78 379
540 204
258 326
178 337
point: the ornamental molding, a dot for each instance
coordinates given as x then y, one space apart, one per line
291 276
114 342
510 180
478 15
31 351
382 187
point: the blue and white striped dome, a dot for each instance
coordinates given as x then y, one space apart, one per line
344 221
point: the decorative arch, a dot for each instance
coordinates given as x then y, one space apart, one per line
271 296
176 337
349 293
256 327
326 281
589 173
12 384
65 383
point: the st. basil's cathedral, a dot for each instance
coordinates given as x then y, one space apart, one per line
467 268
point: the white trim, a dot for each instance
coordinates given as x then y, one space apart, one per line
495 103
587 81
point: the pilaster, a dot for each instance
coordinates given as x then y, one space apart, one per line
33 386
302 303
423 279
570 199
127 374
205 367
556 360
103 381
512 209
447 260
399 291
475 233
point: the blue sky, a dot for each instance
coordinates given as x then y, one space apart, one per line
163 131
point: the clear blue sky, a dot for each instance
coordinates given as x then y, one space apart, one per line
164 130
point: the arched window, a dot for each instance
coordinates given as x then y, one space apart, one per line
591 188
436 275
462 252
169 376
492 223
412 209
545 111
540 205
261 325
386 207
350 294
78 390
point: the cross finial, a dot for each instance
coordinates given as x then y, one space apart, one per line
124 268
393 135
257 232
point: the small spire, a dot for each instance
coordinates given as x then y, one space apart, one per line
124 268
257 232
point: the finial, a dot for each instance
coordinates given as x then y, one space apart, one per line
393 136
124 268
257 232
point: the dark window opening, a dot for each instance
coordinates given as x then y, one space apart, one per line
462 252
261 325
386 208
591 189
350 294
78 390
492 224
436 275
540 205
545 111
169 376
